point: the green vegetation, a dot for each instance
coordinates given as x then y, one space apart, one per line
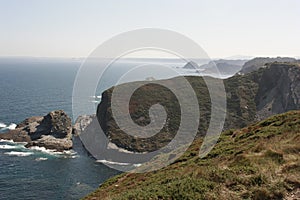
241 109
261 161
250 97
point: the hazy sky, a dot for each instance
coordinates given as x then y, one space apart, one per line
73 28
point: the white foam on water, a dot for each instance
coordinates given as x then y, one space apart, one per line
76 156
10 144
116 163
2 125
96 97
68 156
44 150
65 154
12 126
137 165
95 101
9 141
41 159
18 153
5 146
70 152
111 162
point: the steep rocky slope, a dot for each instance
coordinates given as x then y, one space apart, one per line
261 161
279 90
251 97
260 62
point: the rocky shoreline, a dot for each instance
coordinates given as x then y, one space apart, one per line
52 131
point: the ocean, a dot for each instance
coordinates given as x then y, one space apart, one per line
34 87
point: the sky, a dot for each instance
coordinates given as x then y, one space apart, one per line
223 28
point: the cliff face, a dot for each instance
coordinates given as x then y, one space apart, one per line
251 97
53 131
256 63
262 93
279 90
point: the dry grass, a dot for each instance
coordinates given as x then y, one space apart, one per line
261 161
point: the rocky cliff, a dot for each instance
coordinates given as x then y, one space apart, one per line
251 97
279 90
53 131
260 62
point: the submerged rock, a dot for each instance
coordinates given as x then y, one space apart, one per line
53 131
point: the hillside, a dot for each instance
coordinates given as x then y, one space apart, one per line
260 62
251 97
261 161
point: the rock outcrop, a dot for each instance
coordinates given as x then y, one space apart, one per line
53 131
256 63
279 90
251 97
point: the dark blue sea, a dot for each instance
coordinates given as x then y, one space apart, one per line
34 87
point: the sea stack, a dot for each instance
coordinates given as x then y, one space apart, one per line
53 131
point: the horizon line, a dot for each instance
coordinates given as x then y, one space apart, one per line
235 57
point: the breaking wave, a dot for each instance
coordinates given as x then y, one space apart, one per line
66 153
18 153
21 150
2 125
6 146
41 159
117 163
12 126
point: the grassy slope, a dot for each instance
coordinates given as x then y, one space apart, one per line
261 161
